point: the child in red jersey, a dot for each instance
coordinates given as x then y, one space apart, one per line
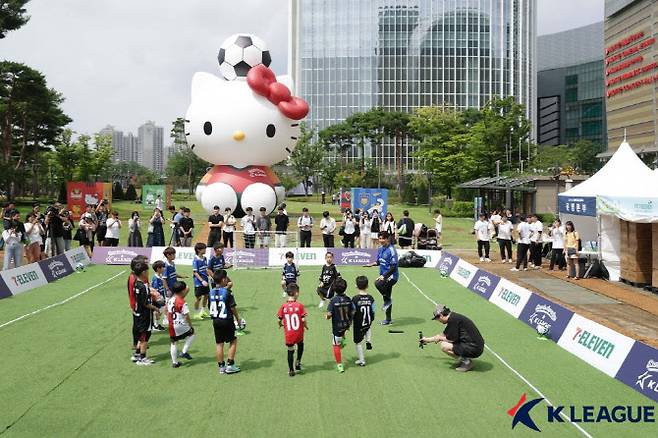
292 317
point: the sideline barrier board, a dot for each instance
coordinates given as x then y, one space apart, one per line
303 256
247 258
77 255
447 262
540 311
24 278
510 297
484 283
601 347
463 272
107 255
353 257
4 289
56 267
640 370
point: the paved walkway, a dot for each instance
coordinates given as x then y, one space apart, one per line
628 310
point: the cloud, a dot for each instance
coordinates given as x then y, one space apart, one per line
559 15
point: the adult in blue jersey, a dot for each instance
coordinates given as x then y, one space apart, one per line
387 260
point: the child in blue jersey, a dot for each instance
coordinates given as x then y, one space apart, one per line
217 262
340 311
201 286
170 274
290 273
387 260
158 283
223 312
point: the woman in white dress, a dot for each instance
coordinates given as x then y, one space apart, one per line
365 227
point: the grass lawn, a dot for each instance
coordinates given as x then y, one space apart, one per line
66 370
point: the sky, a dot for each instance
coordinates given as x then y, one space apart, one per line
123 63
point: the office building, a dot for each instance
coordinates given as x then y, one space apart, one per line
150 140
349 56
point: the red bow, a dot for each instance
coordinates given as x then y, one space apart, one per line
262 80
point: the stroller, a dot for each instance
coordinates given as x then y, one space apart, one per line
432 240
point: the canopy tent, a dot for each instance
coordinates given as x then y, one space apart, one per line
596 205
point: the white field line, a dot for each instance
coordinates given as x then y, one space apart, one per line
43 309
519 375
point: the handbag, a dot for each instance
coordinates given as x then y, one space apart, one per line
341 230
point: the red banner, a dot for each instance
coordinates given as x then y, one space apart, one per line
79 194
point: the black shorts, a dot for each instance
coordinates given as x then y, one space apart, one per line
142 323
467 350
144 336
326 292
187 334
200 291
360 334
224 330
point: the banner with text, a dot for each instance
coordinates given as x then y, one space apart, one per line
353 256
447 263
539 311
463 272
579 206
640 370
510 297
24 278
56 267
77 255
247 258
118 255
484 283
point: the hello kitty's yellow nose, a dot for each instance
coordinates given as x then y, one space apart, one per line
238 136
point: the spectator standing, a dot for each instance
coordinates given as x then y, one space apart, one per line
34 231
365 225
557 232
405 230
113 229
248 224
483 230
349 230
264 226
177 234
55 230
87 228
328 227
158 203
156 230
68 229
438 223
304 224
324 197
228 228
186 228
101 216
389 227
510 216
134 231
215 223
281 222
13 238
523 230
505 239
375 228
495 219
536 242
42 220
572 245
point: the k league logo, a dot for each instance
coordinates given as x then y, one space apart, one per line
543 315
647 379
351 257
57 269
483 284
446 264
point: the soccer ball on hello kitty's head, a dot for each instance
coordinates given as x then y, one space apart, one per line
239 53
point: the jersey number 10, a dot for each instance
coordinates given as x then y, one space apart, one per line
292 321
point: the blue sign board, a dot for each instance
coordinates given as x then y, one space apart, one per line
370 200
579 206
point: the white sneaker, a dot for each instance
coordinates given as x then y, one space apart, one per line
144 362
488 260
284 294
321 305
504 261
525 269
509 261
481 259
514 270
360 363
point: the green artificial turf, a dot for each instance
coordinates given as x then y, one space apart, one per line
66 371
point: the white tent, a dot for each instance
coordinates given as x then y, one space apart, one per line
621 178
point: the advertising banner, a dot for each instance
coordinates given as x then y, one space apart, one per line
540 311
184 254
24 278
108 255
510 297
4 289
601 347
150 194
79 194
640 370
463 272
56 267
77 255
345 199
629 208
353 256
431 257
246 258
484 283
303 256
580 206
447 263
370 200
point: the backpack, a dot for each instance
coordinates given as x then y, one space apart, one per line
412 260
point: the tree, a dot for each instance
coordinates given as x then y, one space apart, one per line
184 167
306 159
584 154
12 15
131 193
395 124
117 191
180 144
338 138
330 168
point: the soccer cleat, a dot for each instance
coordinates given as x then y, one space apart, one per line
222 370
368 346
466 365
291 373
186 356
504 261
321 305
514 269
158 328
340 368
134 358
198 317
205 313
387 304
232 369
386 322
298 366
176 365
144 362
525 269
360 363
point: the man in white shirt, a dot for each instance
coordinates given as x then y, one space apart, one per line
304 224
328 227
483 230
248 224
523 229
438 222
536 230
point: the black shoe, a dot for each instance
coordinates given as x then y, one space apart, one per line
186 356
291 373
368 346
175 365
298 366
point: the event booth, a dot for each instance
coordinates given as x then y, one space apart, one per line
606 209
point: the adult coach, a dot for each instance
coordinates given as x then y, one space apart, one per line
387 260
215 223
461 339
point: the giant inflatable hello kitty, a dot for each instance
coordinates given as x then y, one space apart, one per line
243 123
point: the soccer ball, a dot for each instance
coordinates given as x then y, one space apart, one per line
240 325
79 267
444 272
542 330
240 52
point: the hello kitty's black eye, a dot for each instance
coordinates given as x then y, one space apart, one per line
271 130
207 128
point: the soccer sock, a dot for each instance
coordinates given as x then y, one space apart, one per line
220 364
337 354
368 336
230 362
359 351
188 344
291 355
300 351
389 311
174 352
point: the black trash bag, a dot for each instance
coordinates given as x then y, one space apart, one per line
412 260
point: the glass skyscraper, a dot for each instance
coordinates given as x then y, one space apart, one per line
351 55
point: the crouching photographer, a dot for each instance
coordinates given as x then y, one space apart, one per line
461 339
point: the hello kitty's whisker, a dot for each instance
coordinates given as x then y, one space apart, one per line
187 121
187 133
294 138
192 147
289 151
295 125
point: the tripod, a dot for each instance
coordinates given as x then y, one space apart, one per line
175 236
